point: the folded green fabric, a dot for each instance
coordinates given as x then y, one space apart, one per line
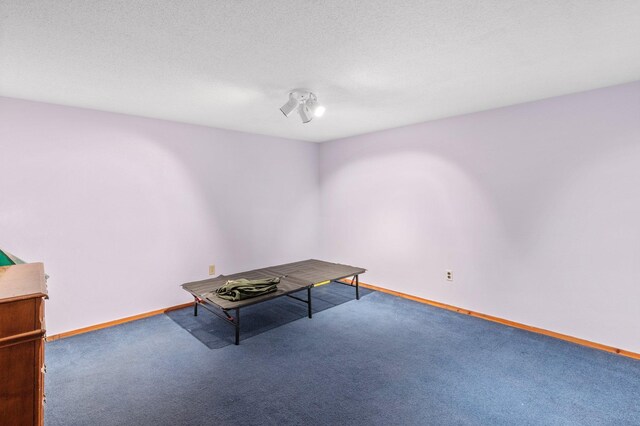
243 288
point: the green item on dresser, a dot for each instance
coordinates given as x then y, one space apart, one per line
5 260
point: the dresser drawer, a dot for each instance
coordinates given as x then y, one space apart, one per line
18 390
19 316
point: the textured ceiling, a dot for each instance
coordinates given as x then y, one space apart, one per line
374 64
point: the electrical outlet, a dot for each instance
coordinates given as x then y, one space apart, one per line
212 269
449 273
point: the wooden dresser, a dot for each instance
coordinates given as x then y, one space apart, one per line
22 330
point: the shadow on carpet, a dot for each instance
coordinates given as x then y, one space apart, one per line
214 333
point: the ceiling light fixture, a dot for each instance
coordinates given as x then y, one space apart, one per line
316 109
305 113
306 102
290 106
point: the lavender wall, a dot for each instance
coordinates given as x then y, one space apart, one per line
124 209
535 208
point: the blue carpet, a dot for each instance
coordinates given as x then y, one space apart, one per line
256 319
378 361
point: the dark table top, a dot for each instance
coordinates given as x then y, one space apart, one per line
294 277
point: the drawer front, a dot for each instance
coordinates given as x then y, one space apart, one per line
18 317
18 378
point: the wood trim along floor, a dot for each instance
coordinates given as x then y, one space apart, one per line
116 322
509 323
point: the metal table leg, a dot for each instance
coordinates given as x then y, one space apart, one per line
237 324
